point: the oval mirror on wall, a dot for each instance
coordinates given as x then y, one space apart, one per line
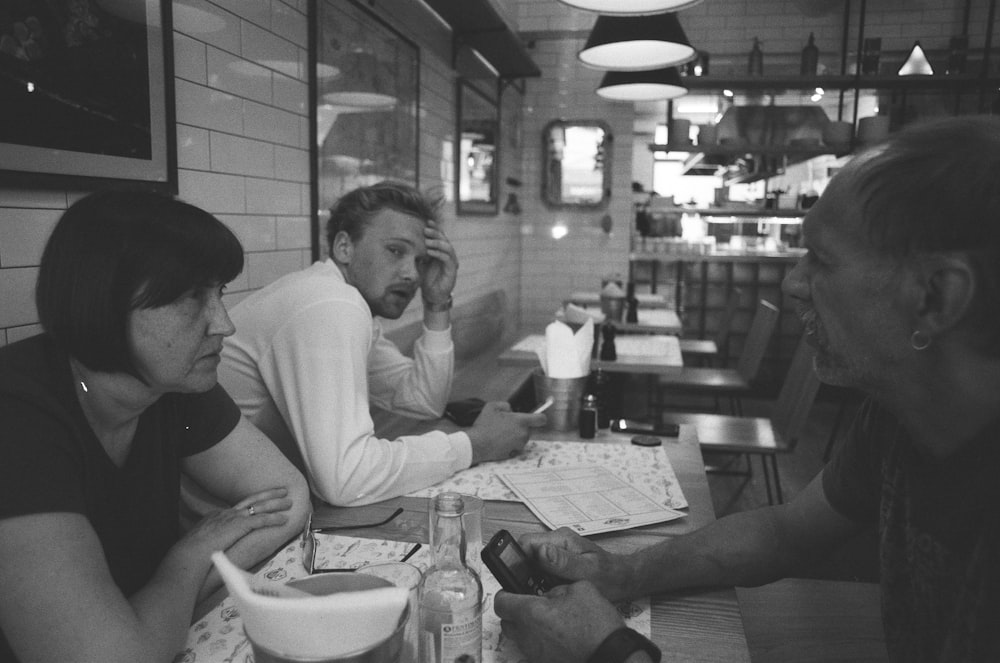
577 163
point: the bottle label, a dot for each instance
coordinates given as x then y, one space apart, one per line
462 642
459 642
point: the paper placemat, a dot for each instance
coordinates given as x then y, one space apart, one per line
218 637
646 468
588 499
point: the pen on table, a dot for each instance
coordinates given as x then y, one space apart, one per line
412 552
544 406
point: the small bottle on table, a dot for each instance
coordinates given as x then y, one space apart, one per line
451 594
588 417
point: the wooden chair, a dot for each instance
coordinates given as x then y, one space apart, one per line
728 382
713 351
762 436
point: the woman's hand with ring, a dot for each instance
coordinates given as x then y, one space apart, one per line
222 529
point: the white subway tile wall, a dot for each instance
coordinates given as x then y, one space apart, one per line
241 72
243 153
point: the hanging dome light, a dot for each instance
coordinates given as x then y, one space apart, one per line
634 43
634 7
360 85
653 85
916 64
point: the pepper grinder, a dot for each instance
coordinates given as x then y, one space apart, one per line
810 57
631 304
608 351
755 63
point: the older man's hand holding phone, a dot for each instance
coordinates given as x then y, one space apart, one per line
512 567
557 620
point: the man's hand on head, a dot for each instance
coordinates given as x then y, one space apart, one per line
440 270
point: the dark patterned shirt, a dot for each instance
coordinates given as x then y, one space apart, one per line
939 534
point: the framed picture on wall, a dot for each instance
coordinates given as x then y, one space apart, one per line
86 94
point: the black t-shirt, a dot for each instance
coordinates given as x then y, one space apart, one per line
939 536
50 460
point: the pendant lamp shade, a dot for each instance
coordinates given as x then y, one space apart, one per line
637 43
361 84
631 7
916 64
652 85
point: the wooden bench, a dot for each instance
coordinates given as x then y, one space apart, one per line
481 330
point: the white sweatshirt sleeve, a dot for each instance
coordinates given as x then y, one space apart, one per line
317 374
417 387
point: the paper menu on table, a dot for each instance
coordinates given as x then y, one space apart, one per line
645 468
587 499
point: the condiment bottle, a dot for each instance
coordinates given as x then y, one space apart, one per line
588 417
600 383
755 63
608 350
631 304
810 57
451 594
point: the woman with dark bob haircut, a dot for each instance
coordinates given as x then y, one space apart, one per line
101 414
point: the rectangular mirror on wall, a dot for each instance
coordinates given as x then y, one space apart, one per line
367 94
577 163
477 148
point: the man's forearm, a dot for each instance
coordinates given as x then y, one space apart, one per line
744 549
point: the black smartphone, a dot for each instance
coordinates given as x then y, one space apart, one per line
464 412
631 426
512 567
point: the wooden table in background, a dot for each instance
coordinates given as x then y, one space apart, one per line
653 321
646 300
666 361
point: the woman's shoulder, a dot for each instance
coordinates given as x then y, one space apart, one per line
198 419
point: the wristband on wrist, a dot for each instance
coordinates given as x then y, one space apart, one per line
621 644
438 308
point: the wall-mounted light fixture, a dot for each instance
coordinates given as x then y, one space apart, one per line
636 43
626 7
654 85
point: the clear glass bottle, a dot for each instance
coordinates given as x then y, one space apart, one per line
599 385
451 594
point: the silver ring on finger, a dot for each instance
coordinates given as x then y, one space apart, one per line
251 510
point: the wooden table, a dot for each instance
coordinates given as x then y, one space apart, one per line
656 354
688 626
646 300
653 321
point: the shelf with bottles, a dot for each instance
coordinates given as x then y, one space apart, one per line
806 150
760 214
780 84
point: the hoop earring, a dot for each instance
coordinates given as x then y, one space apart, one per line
920 341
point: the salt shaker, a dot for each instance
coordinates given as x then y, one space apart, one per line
588 417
